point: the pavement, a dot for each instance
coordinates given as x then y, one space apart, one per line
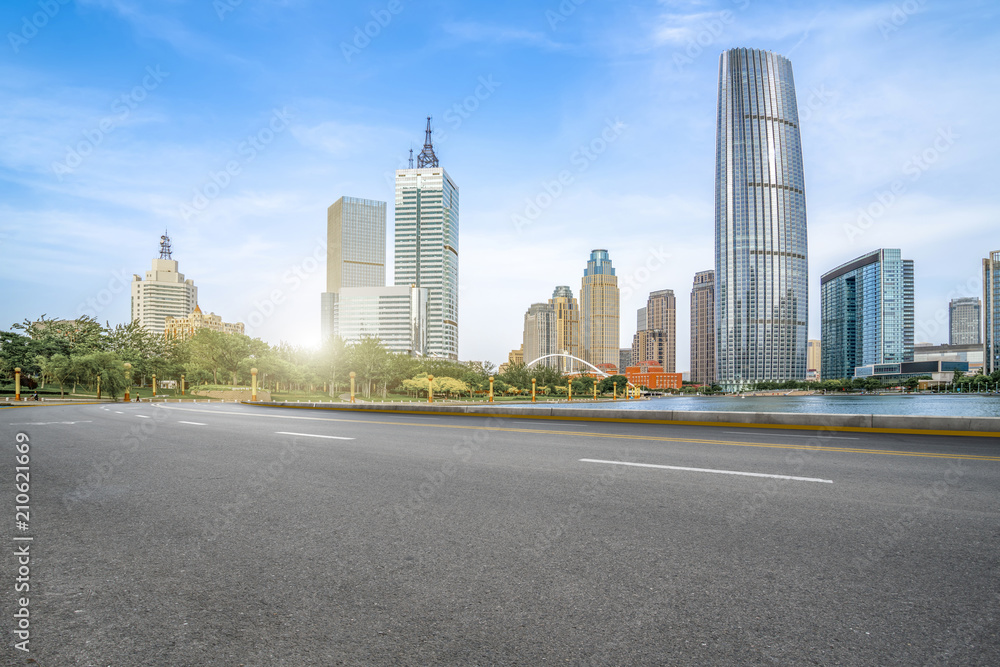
222 534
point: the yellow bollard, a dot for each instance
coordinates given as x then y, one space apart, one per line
595 390
569 391
17 384
128 381
154 385
491 389
614 395
352 386
532 390
253 384
430 388
182 384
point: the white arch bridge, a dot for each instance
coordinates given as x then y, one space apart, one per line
570 356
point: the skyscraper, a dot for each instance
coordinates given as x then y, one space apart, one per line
355 253
540 334
661 315
964 321
991 312
761 267
599 311
640 319
867 313
427 245
163 293
396 315
703 328
567 326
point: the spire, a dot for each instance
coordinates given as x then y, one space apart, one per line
411 158
427 157
164 246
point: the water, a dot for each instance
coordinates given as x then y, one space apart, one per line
950 405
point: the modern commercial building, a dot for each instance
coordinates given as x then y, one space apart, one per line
703 328
184 328
426 243
651 375
991 313
355 253
647 345
890 374
163 293
624 359
964 321
567 326
867 313
396 315
970 354
661 316
761 266
815 360
599 311
540 335
640 319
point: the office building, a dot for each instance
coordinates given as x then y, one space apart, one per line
867 313
184 328
761 267
964 321
648 345
426 243
703 328
567 327
970 354
624 359
599 311
162 293
540 335
814 360
640 319
661 316
355 253
991 313
396 315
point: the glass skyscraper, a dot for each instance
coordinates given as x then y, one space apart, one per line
867 313
964 321
991 312
427 246
761 265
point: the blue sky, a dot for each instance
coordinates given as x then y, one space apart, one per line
236 124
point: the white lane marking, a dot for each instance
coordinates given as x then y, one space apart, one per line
193 423
313 435
794 435
143 417
49 423
720 472
119 412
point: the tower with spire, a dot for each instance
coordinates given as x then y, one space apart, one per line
426 244
163 292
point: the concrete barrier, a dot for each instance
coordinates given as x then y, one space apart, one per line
932 425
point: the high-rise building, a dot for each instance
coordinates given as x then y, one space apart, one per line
624 359
964 321
648 345
867 313
540 335
599 311
163 293
567 326
991 313
761 267
396 315
355 253
661 316
703 328
426 221
815 359
640 319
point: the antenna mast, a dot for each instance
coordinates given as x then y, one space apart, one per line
164 246
427 157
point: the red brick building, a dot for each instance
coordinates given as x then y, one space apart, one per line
650 374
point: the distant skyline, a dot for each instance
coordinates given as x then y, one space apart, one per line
235 125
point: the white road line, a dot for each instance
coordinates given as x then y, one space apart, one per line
794 435
313 435
119 412
193 423
143 416
720 472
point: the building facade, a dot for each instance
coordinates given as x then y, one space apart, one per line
540 335
703 328
426 244
964 321
567 326
991 313
162 293
970 354
867 313
396 315
355 253
624 359
651 375
814 360
640 319
761 266
661 316
599 311
184 328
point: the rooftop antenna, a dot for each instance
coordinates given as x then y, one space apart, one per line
427 157
411 158
164 246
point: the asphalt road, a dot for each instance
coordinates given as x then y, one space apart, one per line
232 535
